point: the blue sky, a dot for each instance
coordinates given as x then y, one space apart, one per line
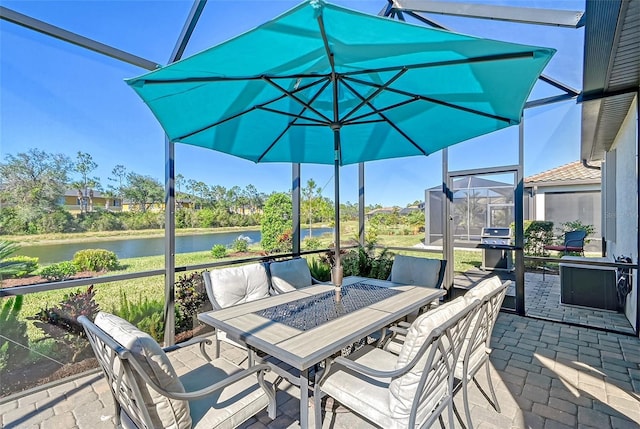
61 98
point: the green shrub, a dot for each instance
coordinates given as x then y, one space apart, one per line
312 243
240 245
577 225
26 264
60 323
14 343
218 251
190 297
365 263
276 223
57 221
100 220
95 260
320 270
58 272
154 326
147 315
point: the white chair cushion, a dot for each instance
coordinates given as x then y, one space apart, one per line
236 285
415 271
403 389
290 275
164 412
365 395
484 288
229 407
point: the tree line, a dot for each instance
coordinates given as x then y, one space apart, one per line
33 186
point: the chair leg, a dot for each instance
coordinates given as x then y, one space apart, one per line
465 400
451 417
493 392
317 407
217 346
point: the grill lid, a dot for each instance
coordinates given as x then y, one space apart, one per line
496 232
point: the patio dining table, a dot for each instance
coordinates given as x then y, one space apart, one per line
304 327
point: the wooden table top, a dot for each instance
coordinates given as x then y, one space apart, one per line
304 348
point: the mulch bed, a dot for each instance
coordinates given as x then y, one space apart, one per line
34 280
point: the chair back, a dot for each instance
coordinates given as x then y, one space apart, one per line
236 285
417 271
430 351
491 293
575 238
115 343
287 276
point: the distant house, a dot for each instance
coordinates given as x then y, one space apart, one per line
566 193
382 210
75 201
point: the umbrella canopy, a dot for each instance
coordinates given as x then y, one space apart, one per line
328 85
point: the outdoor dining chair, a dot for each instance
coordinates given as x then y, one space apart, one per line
417 271
573 242
289 275
235 285
476 347
148 393
405 391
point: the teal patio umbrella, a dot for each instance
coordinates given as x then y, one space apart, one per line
328 85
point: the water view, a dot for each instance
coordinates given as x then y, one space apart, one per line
151 246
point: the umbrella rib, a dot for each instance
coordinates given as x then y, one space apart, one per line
472 60
434 100
383 116
254 107
375 94
292 123
298 116
227 78
291 95
356 119
275 141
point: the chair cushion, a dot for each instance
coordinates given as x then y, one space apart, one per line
164 412
236 285
365 395
290 275
404 389
484 288
415 271
229 407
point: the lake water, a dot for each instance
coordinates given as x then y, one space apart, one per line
133 248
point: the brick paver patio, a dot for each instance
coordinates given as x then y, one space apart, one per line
547 375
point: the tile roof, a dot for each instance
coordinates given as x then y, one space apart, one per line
574 172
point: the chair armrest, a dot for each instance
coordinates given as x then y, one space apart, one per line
196 394
362 369
196 340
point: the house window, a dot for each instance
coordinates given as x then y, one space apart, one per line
609 196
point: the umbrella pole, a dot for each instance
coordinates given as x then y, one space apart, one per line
336 270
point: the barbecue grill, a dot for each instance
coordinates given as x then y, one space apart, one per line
496 249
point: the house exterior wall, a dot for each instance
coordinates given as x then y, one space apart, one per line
626 209
548 203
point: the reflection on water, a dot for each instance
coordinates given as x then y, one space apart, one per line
151 246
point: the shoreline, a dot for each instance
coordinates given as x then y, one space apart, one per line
100 236
65 238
